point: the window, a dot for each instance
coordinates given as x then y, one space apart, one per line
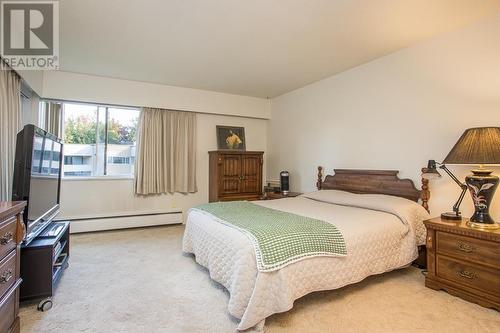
77 173
73 160
99 140
37 154
118 160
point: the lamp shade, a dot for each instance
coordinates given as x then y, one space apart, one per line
479 145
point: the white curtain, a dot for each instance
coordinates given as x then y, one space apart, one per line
10 125
166 152
51 118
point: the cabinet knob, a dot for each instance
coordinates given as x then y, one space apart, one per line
467 274
464 247
7 238
6 276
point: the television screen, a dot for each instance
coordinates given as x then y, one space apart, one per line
37 177
44 180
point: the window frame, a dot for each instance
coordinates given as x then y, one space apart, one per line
104 176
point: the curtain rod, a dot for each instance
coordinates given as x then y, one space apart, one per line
56 100
140 107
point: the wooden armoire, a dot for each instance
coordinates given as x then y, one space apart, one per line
235 175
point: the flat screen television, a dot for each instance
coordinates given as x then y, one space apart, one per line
37 177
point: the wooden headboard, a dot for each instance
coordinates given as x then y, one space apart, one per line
374 182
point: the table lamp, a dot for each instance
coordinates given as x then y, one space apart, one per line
477 146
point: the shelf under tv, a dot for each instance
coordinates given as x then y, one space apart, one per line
59 252
42 265
57 269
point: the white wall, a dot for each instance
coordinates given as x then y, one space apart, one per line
34 79
101 197
393 113
96 198
89 88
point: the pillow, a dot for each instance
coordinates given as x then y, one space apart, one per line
409 212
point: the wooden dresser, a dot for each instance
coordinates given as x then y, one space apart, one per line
235 175
464 261
11 235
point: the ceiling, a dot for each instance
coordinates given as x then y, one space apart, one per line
260 48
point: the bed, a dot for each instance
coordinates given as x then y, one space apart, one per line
376 212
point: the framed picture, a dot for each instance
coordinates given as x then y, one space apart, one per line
230 138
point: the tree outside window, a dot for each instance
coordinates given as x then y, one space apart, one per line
95 135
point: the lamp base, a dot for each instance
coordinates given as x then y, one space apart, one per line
483 226
451 216
482 185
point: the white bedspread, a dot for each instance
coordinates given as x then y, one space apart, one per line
376 242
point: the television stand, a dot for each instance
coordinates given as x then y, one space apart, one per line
43 262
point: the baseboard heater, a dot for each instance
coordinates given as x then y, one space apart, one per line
89 224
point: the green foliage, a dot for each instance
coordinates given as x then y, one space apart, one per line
82 130
119 134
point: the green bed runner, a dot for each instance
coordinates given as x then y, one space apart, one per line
279 238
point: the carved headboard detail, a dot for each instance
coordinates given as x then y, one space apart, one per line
374 182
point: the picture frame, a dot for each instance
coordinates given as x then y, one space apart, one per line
230 138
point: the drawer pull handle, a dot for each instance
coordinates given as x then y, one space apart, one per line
6 276
467 275
7 238
464 247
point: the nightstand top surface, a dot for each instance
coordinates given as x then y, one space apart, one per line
273 195
9 208
461 227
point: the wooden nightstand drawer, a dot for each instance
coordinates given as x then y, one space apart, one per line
8 308
472 249
478 277
7 272
8 235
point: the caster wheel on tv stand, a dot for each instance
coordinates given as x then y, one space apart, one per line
45 305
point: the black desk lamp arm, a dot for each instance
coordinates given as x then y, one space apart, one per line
456 206
442 166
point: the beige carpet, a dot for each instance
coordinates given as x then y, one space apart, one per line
139 281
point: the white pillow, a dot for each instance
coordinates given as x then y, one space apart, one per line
409 212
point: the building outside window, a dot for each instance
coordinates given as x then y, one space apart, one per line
99 140
119 159
73 160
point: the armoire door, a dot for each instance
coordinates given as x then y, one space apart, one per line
230 171
251 174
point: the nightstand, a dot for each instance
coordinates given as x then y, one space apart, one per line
464 261
273 195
